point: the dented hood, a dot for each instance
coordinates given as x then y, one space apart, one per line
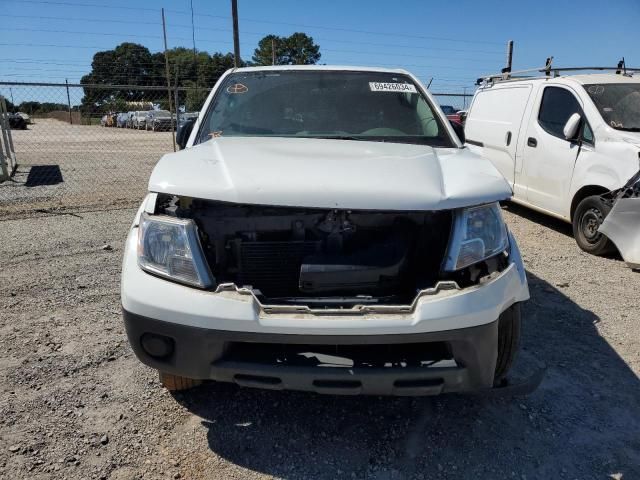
329 174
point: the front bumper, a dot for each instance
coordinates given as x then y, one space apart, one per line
205 354
203 325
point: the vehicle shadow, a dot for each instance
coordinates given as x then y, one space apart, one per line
582 422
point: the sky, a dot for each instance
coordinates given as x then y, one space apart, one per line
452 42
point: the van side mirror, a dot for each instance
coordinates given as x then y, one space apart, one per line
184 131
459 129
572 126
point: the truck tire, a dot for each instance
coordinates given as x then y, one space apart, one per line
587 218
508 341
175 383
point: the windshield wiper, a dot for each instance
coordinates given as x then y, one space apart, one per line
628 129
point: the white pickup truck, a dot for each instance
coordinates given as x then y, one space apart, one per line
324 230
569 146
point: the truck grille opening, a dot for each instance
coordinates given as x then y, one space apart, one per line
274 267
322 258
340 356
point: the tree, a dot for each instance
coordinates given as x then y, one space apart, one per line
296 49
132 64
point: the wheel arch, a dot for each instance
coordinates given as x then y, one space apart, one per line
583 193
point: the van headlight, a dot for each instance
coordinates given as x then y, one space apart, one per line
170 247
478 233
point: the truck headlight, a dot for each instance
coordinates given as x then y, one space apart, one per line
170 247
478 233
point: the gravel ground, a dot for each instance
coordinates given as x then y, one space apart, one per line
62 165
75 402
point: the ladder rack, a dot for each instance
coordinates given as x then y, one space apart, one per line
548 69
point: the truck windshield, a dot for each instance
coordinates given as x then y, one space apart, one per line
343 105
618 103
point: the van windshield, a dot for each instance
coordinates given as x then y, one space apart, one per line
342 105
618 103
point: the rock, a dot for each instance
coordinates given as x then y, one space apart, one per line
107 247
104 439
14 448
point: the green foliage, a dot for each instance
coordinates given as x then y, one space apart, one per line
296 49
133 64
37 107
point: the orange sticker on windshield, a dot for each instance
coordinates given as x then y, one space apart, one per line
237 88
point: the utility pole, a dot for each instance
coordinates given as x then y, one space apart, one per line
507 69
166 65
68 101
236 38
273 51
176 101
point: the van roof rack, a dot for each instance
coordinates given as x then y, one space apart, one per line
507 74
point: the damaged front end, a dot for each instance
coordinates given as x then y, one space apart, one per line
296 259
622 224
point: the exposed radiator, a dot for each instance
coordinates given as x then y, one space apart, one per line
274 267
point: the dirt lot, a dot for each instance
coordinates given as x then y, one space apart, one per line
80 166
75 402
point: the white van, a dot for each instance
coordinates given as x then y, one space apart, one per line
564 143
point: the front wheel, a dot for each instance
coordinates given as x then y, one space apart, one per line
508 341
587 219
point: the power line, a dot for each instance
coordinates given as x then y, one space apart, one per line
227 30
270 22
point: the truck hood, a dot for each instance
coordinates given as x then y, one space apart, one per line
631 137
329 174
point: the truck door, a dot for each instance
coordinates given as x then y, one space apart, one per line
494 122
549 158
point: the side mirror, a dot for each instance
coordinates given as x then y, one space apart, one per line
459 129
572 126
184 131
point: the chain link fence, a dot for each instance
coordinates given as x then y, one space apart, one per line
75 151
88 147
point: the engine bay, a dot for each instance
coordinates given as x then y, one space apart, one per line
319 257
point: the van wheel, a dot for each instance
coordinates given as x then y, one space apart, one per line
176 383
508 341
587 219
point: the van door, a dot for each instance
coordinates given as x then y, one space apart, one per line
494 122
549 158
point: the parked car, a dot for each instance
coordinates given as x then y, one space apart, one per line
130 116
563 144
25 117
139 119
186 116
324 230
159 120
111 119
121 119
185 125
451 113
17 122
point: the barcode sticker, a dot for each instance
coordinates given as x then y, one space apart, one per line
392 87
